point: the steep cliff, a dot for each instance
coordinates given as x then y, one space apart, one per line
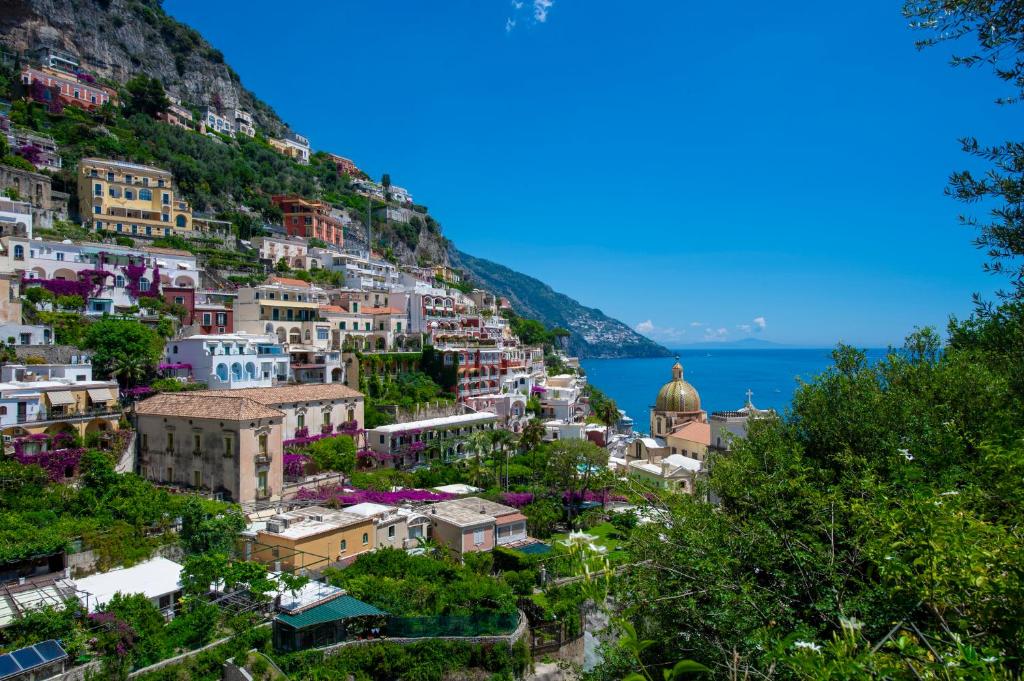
592 332
118 39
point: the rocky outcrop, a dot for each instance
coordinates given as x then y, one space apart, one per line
118 39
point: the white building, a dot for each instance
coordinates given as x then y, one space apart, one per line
230 361
78 371
244 123
13 333
561 398
361 272
15 218
418 442
299 147
36 259
400 194
158 579
292 249
728 425
214 122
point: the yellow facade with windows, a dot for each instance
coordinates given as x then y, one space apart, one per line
131 199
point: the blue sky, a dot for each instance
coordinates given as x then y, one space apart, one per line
701 170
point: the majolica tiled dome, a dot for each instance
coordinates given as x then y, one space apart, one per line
677 395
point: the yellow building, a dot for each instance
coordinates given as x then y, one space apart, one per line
131 199
313 538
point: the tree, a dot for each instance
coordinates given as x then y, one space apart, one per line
385 182
145 96
130 370
479 445
541 517
110 339
147 623
998 29
204 532
532 435
334 454
571 466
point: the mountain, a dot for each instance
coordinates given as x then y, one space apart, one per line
118 39
593 333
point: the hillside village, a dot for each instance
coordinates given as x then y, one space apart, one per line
287 385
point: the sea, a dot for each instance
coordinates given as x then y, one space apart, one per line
721 377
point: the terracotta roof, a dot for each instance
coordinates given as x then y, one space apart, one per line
288 282
695 431
382 310
306 392
205 406
331 308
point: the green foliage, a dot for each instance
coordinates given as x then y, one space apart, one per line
145 96
206 530
147 624
541 517
424 661
334 453
112 340
400 584
48 622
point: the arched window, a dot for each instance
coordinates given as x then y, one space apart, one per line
143 284
222 372
236 371
366 538
250 370
344 544
3 411
180 221
119 281
351 414
145 195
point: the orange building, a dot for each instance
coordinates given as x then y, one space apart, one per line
310 219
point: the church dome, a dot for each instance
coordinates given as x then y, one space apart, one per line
677 395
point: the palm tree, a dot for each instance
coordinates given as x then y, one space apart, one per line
431 547
608 412
129 370
500 441
532 435
480 444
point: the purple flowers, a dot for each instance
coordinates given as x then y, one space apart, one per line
517 499
295 464
173 365
538 390
602 495
134 275
343 497
52 454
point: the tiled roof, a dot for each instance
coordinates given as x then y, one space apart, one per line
206 406
343 607
331 308
285 281
695 431
306 392
167 251
382 310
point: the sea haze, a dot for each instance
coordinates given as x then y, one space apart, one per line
721 376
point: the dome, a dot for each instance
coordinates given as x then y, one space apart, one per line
677 395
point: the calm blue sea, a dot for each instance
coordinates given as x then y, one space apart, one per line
722 377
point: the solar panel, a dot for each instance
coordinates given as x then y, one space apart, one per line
27 657
50 650
8 666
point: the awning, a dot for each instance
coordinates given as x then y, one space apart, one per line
60 398
101 395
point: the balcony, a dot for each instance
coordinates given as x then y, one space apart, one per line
44 417
263 459
262 494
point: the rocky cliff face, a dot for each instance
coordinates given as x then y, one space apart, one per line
118 39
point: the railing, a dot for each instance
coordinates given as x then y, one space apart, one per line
43 417
263 459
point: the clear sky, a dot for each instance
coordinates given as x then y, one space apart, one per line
696 170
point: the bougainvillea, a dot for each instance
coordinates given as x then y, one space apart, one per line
517 499
602 496
134 275
138 392
89 284
173 366
538 390
295 464
114 637
50 453
350 428
348 497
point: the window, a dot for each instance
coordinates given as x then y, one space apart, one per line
145 195
110 176
197 442
341 325
321 333
263 444
97 189
180 221
167 199
197 478
96 210
367 326
478 537
129 195
207 319
391 531
300 420
366 538
344 545
19 252
143 282
229 444
170 441
222 318
127 179
145 442
327 416
119 281
179 300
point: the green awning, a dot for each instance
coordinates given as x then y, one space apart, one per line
343 607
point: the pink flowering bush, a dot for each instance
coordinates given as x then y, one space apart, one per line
602 496
517 499
342 497
295 464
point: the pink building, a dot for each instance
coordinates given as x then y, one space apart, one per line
57 88
474 524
